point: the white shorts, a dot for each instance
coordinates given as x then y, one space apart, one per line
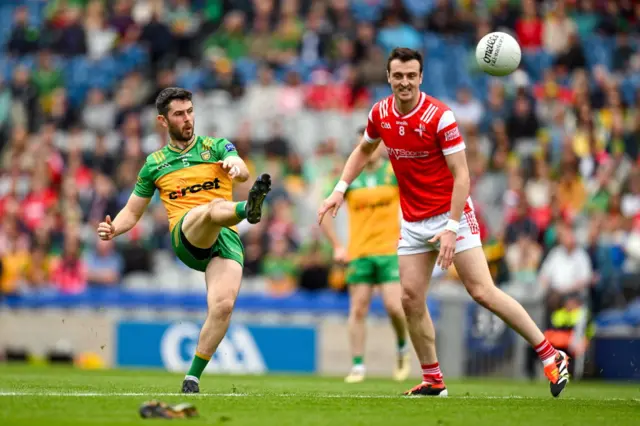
415 236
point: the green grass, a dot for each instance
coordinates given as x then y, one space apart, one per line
55 396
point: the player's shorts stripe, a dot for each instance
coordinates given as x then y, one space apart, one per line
472 222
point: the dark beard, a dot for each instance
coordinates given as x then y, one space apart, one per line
176 135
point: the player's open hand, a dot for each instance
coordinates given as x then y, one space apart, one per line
331 203
447 248
106 230
229 167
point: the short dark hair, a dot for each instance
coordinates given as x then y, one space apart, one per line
404 54
170 94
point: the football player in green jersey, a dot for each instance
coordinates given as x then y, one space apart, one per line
194 176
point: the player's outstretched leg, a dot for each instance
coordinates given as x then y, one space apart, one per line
415 275
257 193
202 225
223 278
359 300
227 213
473 270
392 299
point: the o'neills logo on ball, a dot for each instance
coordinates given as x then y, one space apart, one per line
491 46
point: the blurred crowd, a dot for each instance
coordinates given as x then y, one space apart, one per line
553 148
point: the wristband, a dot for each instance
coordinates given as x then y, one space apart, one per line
341 186
452 225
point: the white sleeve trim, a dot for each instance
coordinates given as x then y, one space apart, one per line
369 138
452 150
446 119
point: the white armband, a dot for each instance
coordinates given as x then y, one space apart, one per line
341 186
452 225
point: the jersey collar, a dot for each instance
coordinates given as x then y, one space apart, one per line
186 149
410 113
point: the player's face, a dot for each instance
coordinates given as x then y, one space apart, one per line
179 121
405 79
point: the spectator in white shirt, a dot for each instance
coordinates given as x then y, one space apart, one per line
631 201
567 270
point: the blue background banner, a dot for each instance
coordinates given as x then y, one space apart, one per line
246 349
618 358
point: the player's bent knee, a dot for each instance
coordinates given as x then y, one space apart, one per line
221 309
359 311
413 303
213 203
481 293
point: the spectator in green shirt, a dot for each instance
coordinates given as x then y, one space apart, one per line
230 37
46 78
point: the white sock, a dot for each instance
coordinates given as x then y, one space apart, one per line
402 351
192 378
358 368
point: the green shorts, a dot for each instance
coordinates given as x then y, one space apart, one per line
373 270
227 246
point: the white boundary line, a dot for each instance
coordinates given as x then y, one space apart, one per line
276 395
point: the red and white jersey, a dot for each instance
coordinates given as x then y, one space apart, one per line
417 143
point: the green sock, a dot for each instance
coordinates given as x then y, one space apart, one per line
198 365
241 209
358 360
401 344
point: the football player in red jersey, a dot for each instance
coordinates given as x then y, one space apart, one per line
439 227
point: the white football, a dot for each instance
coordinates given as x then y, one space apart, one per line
498 54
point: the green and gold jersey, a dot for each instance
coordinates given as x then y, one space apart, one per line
373 205
187 178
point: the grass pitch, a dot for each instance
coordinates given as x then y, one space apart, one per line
64 396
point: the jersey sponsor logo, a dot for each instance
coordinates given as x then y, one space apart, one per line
205 155
386 125
192 189
405 153
452 134
229 147
162 166
372 206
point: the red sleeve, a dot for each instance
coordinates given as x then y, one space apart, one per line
371 134
448 134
